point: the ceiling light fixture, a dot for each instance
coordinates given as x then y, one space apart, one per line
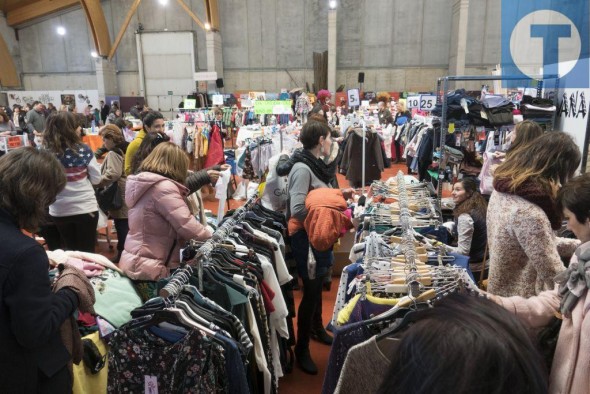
163 2
333 4
94 54
207 26
61 30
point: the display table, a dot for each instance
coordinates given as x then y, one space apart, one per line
93 141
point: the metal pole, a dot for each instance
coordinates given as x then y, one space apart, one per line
364 159
443 131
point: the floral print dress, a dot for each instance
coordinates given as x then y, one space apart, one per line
141 362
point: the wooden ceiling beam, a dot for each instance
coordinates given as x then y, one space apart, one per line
8 74
191 14
98 26
130 14
213 14
38 9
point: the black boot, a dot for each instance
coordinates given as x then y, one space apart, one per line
320 335
305 362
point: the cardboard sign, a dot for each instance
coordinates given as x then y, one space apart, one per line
354 98
190 103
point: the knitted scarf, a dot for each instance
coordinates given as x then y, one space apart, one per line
532 192
575 281
324 172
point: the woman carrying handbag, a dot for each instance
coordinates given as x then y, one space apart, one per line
112 171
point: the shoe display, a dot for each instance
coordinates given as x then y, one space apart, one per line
305 362
321 336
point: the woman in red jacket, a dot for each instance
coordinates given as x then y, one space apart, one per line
160 221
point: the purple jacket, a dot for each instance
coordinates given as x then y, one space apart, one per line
158 215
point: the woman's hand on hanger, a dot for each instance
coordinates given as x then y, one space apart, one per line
213 175
348 193
225 167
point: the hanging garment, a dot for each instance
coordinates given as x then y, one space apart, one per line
215 153
353 156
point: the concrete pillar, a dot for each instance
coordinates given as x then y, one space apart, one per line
458 50
214 56
332 45
106 78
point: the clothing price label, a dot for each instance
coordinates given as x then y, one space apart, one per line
413 102
151 385
427 102
217 99
190 103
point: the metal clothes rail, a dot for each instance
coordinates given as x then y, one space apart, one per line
203 251
442 87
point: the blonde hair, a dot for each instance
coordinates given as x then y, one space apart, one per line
168 160
402 104
550 159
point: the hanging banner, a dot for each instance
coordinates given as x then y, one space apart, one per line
572 117
73 98
272 107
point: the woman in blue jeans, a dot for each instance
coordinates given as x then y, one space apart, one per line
309 172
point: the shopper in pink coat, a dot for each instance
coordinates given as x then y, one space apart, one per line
570 370
159 219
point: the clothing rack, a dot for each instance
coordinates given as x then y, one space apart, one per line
182 275
407 245
442 87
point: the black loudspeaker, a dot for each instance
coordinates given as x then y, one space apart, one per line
219 82
361 77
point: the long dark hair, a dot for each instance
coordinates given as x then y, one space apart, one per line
551 158
60 133
526 132
150 141
484 349
30 179
474 204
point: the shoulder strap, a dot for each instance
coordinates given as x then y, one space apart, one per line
170 253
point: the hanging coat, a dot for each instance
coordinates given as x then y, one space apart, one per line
215 152
352 160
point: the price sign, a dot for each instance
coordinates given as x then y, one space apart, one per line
217 99
190 103
15 142
354 98
427 102
413 102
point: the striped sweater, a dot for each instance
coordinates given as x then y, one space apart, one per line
82 171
